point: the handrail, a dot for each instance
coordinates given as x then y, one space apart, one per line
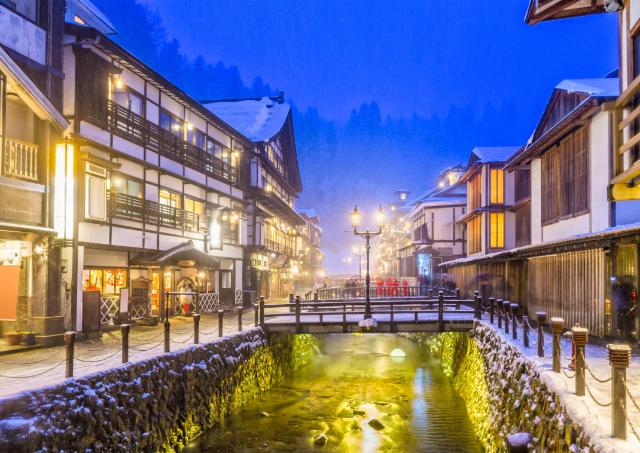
143 132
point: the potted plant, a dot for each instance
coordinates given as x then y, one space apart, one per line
13 338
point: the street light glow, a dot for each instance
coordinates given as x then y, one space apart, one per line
355 217
380 215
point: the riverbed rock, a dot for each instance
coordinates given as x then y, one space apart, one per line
320 440
265 414
376 424
359 412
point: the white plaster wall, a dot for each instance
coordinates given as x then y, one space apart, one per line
133 81
170 105
599 139
196 120
131 168
171 183
69 81
634 11
151 192
94 133
153 93
566 228
153 112
218 135
536 201
93 233
103 257
126 237
238 274
218 185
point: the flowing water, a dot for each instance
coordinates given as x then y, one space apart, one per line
365 393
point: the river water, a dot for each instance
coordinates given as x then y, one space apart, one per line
365 393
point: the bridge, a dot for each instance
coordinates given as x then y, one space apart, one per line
389 314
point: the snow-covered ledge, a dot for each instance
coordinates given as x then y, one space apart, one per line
507 392
156 404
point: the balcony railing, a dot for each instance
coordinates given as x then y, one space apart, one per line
627 133
20 159
134 208
278 247
137 129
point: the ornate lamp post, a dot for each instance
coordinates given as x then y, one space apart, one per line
367 235
357 251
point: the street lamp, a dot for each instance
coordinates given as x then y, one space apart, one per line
367 235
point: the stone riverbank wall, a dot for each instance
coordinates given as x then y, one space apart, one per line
157 404
503 392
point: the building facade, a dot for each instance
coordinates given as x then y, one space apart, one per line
154 189
310 273
274 183
31 129
437 235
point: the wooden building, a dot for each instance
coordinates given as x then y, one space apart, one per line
154 187
311 273
436 234
489 194
273 185
31 129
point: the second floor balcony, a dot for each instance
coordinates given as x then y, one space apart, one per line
20 159
153 213
137 129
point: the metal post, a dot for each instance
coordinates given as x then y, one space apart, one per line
580 337
344 318
298 314
556 327
514 312
262 311
196 328
291 302
256 315
477 294
367 280
392 326
458 293
196 304
499 304
315 296
124 331
440 311
619 358
240 319
541 318
70 341
167 335
525 330
220 322
492 307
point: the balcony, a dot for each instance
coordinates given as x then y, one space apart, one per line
20 159
278 247
150 212
626 145
135 128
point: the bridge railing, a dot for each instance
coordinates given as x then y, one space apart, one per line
375 292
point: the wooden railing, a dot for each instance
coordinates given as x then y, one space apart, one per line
278 247
137 129
20 159
134 208
627 101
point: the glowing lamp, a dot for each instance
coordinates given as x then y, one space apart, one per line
380 215
355 217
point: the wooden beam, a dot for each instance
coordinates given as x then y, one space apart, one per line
628 94
629 118
633 141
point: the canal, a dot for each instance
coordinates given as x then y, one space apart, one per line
363 393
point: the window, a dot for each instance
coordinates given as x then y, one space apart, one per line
170 199
26 8
565 178
497 186
107 281
523 226
194 206
171 123
195 137
225 280
474 234
215 230
127 186
496 225
474 192
128 99
95 192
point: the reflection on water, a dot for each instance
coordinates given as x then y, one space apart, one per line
365 393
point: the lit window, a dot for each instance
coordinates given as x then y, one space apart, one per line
497 186
96 192
170 199
496 222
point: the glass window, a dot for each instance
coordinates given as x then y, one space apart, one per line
122 184
497 186
196 137
225 280
107 281
195 206
496 221
26 8
171 123
474 234
170 199
130 100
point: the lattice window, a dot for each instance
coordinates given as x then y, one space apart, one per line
109 307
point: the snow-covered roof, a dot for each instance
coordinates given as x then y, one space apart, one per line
90 14
257 119
489 154
603 87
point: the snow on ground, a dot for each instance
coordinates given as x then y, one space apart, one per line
595 419
44 367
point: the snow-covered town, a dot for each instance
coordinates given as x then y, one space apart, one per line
207 245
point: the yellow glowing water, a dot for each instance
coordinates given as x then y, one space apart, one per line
361 397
